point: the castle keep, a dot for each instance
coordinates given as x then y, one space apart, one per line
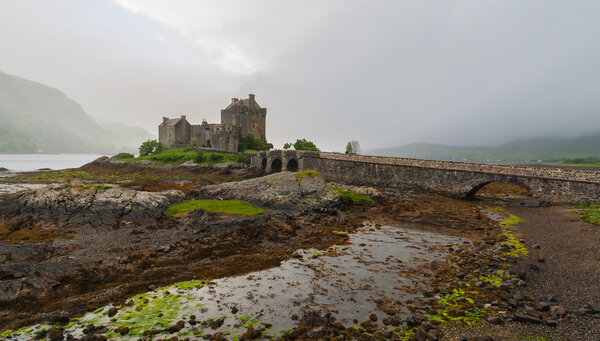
241 117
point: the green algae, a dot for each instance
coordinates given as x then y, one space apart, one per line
513 238
496 279
187 285
156 314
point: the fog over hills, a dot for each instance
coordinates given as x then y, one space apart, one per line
37 118
545 149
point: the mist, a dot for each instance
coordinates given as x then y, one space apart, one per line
384 73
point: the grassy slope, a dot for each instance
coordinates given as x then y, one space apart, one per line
175 156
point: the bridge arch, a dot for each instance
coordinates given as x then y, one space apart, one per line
292 165
263 164
276 166
503 186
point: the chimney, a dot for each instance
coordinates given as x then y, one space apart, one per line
252 100
183 117
165 119
233 100
204 121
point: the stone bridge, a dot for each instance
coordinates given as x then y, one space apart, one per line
457 179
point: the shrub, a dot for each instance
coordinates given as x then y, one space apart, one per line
124 156
200 157
304 145
215 157
353 147
250 142
151 147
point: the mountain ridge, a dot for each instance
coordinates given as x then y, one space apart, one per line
521 150
38 118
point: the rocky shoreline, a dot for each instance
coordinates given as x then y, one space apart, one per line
73 247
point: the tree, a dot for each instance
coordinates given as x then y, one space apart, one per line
287 146
305 145
353 147
151 147
249 142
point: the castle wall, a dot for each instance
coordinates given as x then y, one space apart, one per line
251 120
166 136
175 135
223 137
183 131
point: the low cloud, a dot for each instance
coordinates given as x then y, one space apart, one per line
384 73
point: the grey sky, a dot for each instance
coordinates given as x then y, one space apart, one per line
382 72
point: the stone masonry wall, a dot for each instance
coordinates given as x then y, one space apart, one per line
458 179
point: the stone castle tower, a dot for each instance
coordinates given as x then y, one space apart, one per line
241 117
247 114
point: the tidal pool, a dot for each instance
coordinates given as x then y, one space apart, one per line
380 266
16 188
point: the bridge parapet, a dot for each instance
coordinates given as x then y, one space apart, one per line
459 179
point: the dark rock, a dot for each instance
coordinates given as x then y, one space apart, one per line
56 334
122 330
535 246
542 306
557 310
112 312
497 320
527 318
373 317
176 327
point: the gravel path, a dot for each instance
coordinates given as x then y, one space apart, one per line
566 266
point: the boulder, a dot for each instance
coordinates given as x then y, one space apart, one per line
277 190
73 205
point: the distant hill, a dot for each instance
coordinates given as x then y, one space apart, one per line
38 118
525 150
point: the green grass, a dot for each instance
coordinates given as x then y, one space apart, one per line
124 156
219 206
587 161
350 197
102 187
589 212
178 155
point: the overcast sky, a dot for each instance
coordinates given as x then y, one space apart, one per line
383 72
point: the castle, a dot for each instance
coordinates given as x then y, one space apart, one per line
241 117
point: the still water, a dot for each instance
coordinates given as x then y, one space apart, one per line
30 162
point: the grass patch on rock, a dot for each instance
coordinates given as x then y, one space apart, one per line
589 212
308 173
218 206
349 196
